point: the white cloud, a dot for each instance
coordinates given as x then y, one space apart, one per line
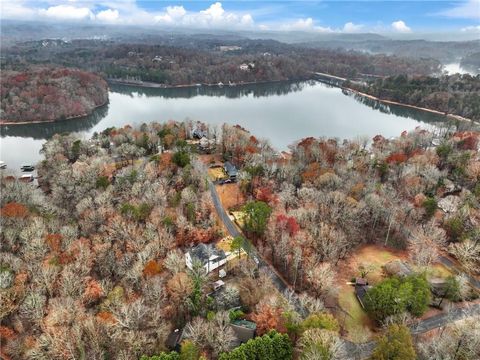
67 12
471 29
108 15
400 26
173 14
16 10
469 9
305 25
215 16
350 27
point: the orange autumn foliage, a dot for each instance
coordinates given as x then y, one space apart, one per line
106 317
312 172
14 210
6 333
152 268
93 290
54 242
397 158
264 194
268 318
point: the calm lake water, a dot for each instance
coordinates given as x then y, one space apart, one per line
281 112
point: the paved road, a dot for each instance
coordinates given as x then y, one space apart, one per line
452 266
278 282
354 351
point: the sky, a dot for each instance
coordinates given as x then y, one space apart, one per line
403 17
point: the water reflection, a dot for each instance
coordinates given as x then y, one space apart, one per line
282 112
231 92
47 130
398 110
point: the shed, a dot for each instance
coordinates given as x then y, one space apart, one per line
244 330
174 340
397 268
360 292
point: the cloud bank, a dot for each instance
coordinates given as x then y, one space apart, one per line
400 26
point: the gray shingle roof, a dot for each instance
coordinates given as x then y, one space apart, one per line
203 252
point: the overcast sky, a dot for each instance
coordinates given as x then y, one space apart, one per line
316 16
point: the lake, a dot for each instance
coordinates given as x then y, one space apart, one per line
282 112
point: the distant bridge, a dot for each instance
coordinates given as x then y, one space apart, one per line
329 79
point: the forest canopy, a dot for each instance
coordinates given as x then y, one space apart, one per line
49 94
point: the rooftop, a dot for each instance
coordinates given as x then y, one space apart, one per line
205 252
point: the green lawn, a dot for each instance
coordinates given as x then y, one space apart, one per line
357 323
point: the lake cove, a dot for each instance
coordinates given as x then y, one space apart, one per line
282 112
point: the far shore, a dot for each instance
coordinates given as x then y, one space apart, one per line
385 101
73 117
152 85
144 84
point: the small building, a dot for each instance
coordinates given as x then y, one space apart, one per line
438 286
199 133
225 48
218 285
231 170
361 289
244 67
244 330
397 268
360 292
208 255
174 340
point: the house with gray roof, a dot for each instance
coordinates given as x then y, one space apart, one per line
209 256
231 170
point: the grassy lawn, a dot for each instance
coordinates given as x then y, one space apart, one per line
238 217
356 323
438 271
374 257
217 173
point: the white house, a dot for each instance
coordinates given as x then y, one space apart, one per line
208 255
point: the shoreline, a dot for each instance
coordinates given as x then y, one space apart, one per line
151 85
144 84
9 123
391 102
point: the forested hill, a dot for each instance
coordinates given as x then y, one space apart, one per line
455 94
49 94
212 61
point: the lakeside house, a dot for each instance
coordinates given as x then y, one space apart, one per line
231 170
209 256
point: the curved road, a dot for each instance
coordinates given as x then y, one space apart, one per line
355 351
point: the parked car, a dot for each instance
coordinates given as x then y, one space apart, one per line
27 168
27 178
225 181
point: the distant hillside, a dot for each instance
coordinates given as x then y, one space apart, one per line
443 51
49 94
471 62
